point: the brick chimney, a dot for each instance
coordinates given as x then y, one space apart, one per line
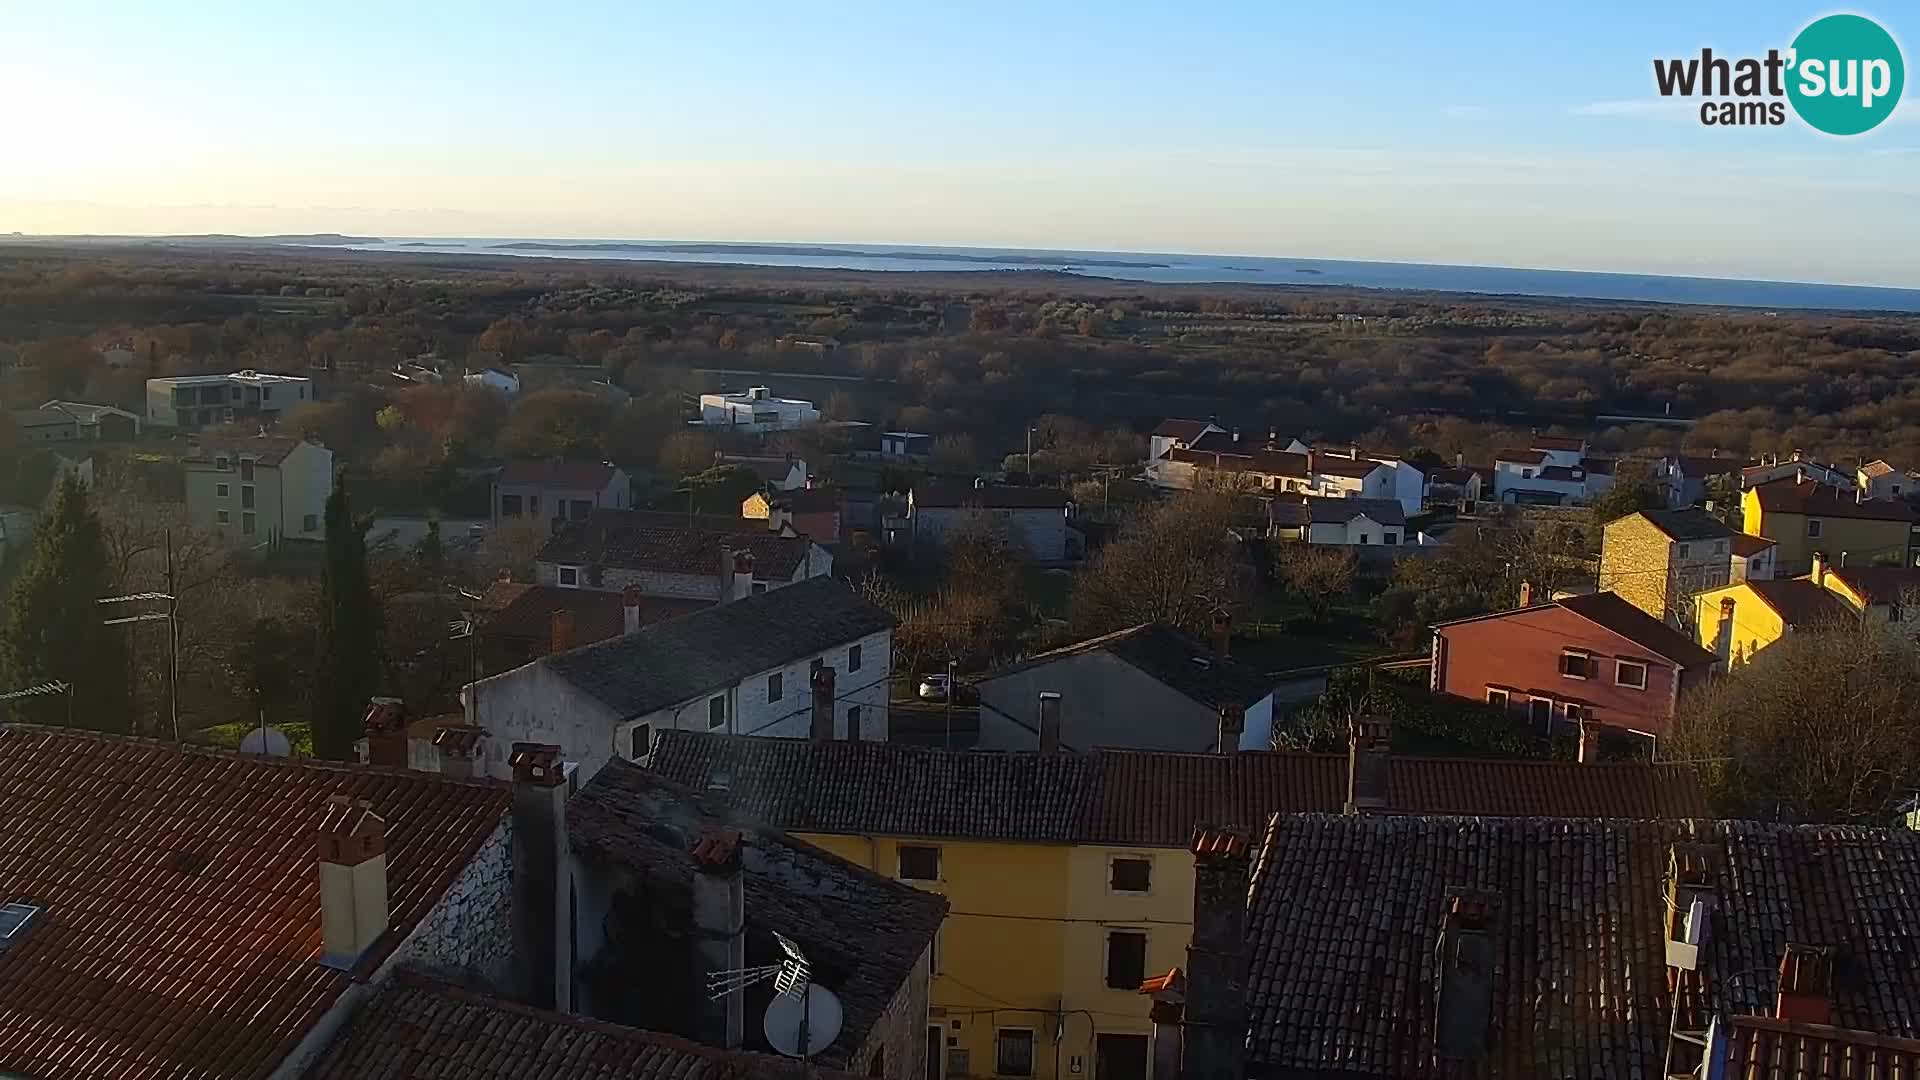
822 726
1806 985
1220 632
542 885
385 726
1369 764
720 939
1049 721
630 603
350 846
1215 1042
1526 594
1233 724
560 637
459 750
1723 632
1589 741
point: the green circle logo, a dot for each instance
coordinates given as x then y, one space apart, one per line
1847 74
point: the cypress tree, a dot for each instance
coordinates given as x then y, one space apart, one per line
346 670
53 628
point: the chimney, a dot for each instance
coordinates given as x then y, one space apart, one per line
1169 993
742 574
1220 632
385 726
1806 985
1526 594
1859 496
1723 633
459 749
351 849
1459 461
1800 475
630 602
560 637
1369 764
1463 1002
1353 451
504 574
1819 574
1589 741
822 729
1215 1043
1049 721
720 939
726 575
542 886
1233 724
1796 454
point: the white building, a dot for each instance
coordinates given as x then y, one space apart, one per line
504 381
756 411
1175 435
196 401
1342 522
1882 481
249 490
1552 470
739 668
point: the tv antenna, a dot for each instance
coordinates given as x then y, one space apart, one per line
803 1019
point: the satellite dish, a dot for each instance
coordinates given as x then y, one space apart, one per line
267 741
822 1011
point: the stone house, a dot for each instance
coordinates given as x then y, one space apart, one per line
1657 559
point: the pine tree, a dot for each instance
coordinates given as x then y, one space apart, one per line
346 670
53 629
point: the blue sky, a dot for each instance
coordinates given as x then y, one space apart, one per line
1512 134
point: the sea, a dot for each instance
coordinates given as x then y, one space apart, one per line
1197 269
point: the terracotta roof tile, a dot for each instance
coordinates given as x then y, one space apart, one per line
1801 603
1786 496
1879 584
417 1027
1762 1048
519 610
671 543
1184 430
1746 545
1608 611
180 935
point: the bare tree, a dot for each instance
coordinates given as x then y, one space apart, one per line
1174 564
1316 573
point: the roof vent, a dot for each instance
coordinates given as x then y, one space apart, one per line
15 920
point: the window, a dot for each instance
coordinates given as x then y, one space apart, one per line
775 689
853 721
1813 527
1499 699
759 587
1526 474
223 464
716 711
1013 1052
1719 547
853 659
246 470
1390 538
1893 612
246 524
919 862
1126 959
641 736
1363 538
568 576
1631 673
246 496
310 523
509 506
1574 712
1575 663
1682 552
266 393
1541 710
222 516
1130 875
220 491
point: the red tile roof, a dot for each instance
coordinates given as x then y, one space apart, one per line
180 930
1344 466
1762 1048
417 1027
1522 457
585 475
1801 603
1878 584
1747 545
1557 442
1184 430
1608 610
1786 496
520 610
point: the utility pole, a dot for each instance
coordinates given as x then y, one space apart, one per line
953 689
1029 457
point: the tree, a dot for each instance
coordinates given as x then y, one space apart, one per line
1723 500
1316 573
53 628
684 453
1818 727
431 554
346 672
1634 489
557 423
719 490
1175 564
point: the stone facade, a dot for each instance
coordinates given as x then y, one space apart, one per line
468 936
897 1045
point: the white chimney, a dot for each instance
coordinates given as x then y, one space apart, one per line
351 847
742 575
630 599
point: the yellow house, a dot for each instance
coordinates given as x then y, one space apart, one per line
1804 517
1736 621
1069 875
1885 594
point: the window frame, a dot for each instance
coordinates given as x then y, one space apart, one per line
1505 704
1621 664
853 722
246 470
1535 715
634 735
1683 550
1106 956
561 573
1586 662
222 491
776 686
716 712
854 659
1116 858
1813 528
999 1055
249 523
900 861
223 517
246 496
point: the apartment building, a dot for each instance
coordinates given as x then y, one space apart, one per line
197 401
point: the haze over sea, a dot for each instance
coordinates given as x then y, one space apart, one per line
1193 269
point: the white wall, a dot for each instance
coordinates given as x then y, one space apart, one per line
1409 485
532 704
306 478
1352 531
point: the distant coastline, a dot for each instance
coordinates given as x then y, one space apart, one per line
805 251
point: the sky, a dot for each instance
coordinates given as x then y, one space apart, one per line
1513 134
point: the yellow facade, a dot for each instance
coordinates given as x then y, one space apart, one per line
1024 946
1863 540
1755 624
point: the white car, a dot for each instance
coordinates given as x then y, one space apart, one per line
933 687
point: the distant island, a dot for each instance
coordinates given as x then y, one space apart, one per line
308 239
819 252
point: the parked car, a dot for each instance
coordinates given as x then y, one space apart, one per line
934 687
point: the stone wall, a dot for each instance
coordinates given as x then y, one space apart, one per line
468 936
900 1035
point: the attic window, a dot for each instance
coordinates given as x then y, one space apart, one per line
15 919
